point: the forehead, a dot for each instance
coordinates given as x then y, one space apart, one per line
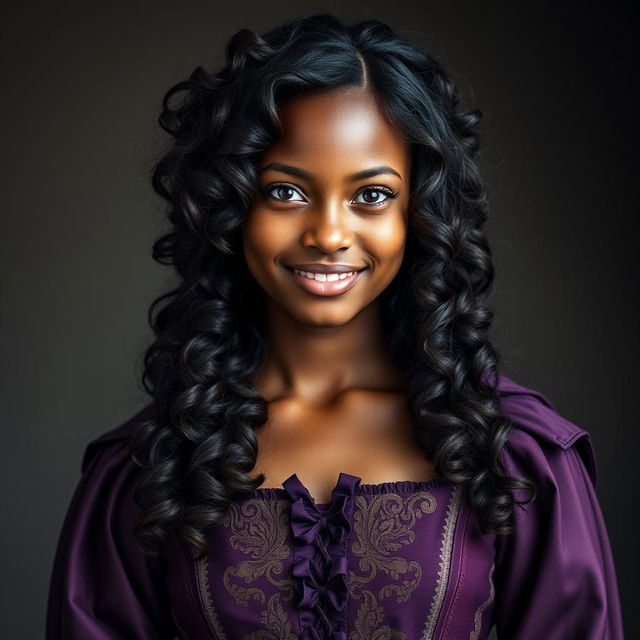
346 126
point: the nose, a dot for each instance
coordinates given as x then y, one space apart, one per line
328 229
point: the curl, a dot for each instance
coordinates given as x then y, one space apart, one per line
209 330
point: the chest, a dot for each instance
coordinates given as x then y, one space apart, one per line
367 435
388 561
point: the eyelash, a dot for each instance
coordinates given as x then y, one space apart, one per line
391 195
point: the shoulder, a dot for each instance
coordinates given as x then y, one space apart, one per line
116 441
555 570
103 504
541 438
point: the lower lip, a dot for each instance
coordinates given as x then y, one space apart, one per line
326 288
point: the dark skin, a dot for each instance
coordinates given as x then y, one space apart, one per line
335 399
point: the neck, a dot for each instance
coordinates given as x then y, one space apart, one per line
319 363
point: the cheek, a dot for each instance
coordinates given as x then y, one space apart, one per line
265 239
260 237
387 241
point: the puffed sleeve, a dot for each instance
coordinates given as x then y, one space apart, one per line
102 587
555 577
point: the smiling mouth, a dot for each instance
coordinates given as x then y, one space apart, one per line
325 284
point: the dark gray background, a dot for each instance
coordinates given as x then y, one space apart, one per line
82 85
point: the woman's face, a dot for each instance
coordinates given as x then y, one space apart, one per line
313 210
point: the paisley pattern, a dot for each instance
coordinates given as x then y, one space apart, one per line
260 529
369 622
276 623
320 581
384 527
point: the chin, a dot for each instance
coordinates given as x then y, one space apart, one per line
324 319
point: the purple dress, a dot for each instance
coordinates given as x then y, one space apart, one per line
400 560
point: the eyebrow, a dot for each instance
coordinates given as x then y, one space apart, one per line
359 175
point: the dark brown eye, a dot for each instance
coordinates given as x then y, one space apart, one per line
376 195
372 198
284 193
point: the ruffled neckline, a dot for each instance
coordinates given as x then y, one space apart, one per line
346 485
353 481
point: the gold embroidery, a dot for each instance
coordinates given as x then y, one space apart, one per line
260 529
205 595
446 548
475 634
368 621
275 619
382 525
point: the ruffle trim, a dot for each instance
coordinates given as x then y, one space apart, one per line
395 486
319 551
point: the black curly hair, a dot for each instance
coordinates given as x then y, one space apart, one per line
199 448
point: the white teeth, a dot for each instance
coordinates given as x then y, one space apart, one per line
325 277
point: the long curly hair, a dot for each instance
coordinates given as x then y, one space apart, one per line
200 446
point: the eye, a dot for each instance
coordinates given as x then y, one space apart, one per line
284 192
377 191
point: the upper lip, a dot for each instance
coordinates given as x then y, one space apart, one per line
317 267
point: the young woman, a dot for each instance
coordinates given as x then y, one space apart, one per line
330 451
